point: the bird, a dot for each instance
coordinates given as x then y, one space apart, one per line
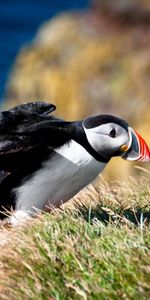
45 160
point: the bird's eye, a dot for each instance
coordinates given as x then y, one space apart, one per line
112 133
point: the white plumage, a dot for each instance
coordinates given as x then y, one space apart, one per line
61 177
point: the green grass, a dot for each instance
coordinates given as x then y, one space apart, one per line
97 248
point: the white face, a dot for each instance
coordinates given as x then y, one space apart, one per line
108 138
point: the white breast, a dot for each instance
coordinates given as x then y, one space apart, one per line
61 177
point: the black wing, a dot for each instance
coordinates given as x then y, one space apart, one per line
28 136
29 125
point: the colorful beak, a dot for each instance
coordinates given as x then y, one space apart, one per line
137 148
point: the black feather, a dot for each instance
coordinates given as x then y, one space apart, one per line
95 121
28 136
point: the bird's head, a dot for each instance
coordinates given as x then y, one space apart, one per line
110 136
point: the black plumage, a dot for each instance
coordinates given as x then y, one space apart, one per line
28 136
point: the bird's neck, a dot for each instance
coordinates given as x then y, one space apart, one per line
80 137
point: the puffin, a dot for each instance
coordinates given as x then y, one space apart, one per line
45 161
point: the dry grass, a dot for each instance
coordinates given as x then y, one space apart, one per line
97 247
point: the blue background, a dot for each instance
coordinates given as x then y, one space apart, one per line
19 21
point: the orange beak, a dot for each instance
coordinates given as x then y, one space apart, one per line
137 148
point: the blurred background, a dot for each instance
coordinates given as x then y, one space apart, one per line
87 57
